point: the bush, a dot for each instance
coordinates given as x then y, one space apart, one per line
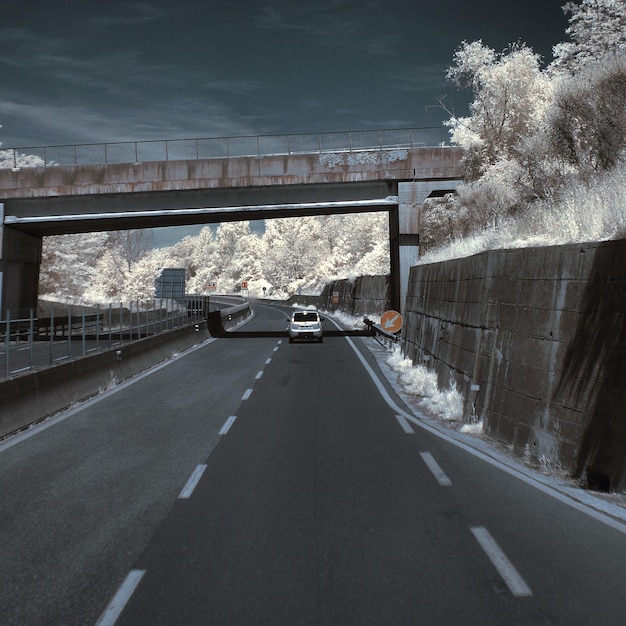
587 122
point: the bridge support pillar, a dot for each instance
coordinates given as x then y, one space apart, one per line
20 257
404 230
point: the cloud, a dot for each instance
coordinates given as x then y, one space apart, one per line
22 48
342 24
129 13
237 86
426 78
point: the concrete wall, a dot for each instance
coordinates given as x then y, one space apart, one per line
20 258
536 341
362 296
179 176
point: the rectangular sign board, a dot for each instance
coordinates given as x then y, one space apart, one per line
171 283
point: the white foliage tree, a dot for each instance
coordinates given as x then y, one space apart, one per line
291 247
587 123
358 245
116 280
596 28
200 253
69 265
234 255
510 95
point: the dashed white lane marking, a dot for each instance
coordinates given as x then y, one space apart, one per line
121 598
406 427
436 470
259 374
276 349
268 361
247 394
505 568
227 424
194 479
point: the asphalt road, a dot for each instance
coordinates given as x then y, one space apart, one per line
258 482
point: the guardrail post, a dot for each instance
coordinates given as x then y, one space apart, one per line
97 328
69 332
7 343
84 338
32 332
52 334
110 325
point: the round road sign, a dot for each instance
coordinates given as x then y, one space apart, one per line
391 321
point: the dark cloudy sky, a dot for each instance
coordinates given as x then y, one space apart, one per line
81 71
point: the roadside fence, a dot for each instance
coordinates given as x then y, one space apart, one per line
29 342
222 147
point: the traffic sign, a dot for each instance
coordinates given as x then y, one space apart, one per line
391 321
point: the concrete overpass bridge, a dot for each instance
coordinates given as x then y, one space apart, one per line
101 187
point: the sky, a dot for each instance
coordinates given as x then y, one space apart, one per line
80 71
76 71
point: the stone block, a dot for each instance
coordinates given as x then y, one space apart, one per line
535 322
540 294
507 317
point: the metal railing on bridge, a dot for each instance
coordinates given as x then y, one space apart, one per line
223 147
29 342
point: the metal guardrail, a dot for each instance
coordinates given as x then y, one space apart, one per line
224 147
378 331
29 343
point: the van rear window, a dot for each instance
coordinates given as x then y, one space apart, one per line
305 317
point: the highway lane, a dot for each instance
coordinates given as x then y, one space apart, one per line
80 499
321 506
317 506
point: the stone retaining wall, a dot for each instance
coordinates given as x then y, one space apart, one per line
362 296
536 341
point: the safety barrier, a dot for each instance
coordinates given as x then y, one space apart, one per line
37 394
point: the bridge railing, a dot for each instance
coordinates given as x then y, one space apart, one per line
221 147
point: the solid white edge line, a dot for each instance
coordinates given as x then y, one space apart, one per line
193 480
435 469
406 427
557 495
227 424
511 577
121 598
247 394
